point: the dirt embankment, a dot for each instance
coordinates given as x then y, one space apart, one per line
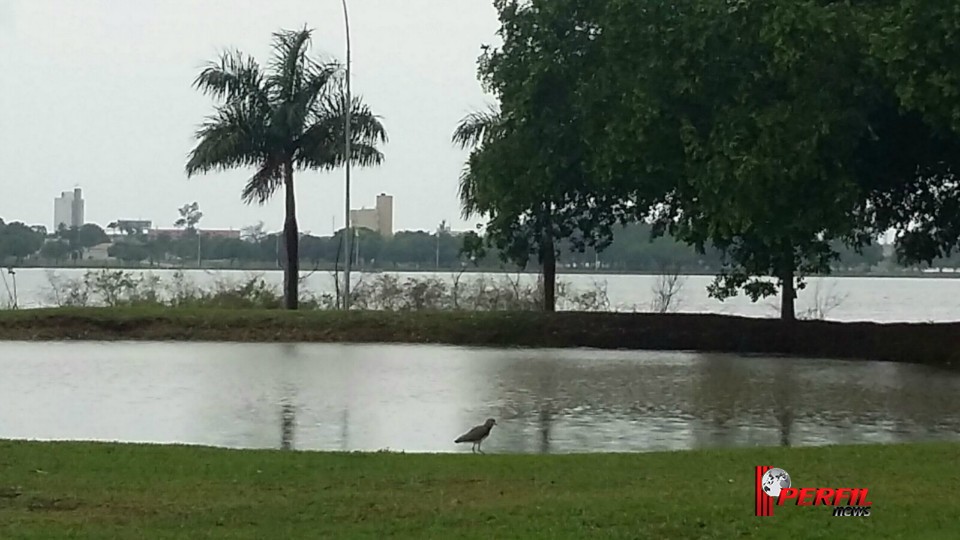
926 343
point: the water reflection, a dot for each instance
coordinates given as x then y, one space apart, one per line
286 360
345 430
784 395
419 398
720 390
546 396
287 423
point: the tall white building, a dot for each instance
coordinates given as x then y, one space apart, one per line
68 209
379 219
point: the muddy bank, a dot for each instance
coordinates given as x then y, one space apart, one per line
934 343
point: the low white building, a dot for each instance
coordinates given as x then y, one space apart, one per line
99 252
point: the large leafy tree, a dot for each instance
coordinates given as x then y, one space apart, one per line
55 250
290 116
780 132
916 42
70 236
747 120
914 45
18 241
90 235
527 173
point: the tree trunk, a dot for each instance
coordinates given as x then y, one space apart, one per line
788 295
549 258
291 237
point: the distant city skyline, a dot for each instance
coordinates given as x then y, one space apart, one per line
110 105
69 210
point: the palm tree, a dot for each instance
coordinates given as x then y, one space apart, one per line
291 116
473 131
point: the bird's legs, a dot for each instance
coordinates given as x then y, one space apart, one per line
480 449
473 448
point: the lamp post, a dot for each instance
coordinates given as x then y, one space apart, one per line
348 154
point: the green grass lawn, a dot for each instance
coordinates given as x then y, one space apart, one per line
74 490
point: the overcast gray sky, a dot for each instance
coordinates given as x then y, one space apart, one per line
97 93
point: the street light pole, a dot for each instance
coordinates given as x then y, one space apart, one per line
348 154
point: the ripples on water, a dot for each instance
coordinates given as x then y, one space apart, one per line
419 398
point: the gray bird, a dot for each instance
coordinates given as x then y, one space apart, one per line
477 435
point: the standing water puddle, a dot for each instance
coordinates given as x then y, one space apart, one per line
419 398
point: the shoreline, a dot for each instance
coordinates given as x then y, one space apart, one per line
933 344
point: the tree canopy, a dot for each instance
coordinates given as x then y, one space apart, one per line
773 132
913 44
190 216
18 241
756 110
527 173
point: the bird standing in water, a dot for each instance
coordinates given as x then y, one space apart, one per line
477 435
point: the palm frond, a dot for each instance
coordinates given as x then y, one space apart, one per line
466 191
331 156
365 126
235 136
472 129
289 62
363 155
234 76
322 145
320 81
265 182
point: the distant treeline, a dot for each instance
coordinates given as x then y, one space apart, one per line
632 250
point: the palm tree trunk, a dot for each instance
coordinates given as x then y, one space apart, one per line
788 294
291 236
549 258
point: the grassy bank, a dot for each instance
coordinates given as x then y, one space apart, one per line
933 344
123 491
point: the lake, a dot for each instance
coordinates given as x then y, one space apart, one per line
848 299
417 398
